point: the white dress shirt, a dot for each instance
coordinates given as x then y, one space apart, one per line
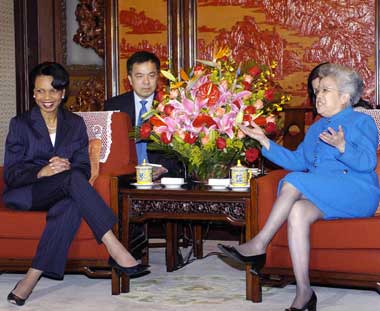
138 105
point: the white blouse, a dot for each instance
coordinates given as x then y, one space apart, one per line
52 138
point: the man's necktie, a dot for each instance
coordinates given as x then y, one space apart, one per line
141 146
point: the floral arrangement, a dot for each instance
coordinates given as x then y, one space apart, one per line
197 116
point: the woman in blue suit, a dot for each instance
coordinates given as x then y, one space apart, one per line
333 176
47 167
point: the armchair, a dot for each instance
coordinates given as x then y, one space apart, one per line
20 231
344 252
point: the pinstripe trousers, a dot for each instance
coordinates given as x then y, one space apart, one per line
67 197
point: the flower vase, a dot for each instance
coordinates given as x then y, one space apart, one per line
204 172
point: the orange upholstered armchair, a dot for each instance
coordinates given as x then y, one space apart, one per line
20 231
344 252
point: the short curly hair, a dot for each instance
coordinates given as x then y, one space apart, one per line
347 80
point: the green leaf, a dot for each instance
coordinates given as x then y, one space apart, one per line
239 118
168 75
208 63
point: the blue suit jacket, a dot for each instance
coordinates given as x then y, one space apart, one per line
28 148
341 185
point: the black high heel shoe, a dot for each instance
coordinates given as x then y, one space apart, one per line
16 300
311 305
134 271
257 262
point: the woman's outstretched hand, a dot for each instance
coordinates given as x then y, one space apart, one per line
56 165
256 132
333 138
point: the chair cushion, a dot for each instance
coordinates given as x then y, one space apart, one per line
29 225
358 233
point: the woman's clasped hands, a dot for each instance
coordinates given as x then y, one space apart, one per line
56 165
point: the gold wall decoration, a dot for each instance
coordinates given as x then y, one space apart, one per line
297 34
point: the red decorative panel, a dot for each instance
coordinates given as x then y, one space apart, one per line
142 25
298 34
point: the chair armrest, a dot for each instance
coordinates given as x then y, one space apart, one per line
103 183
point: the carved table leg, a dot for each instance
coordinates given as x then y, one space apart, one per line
145 256
253 286
124 284
171 246
125 239
115 284
197 241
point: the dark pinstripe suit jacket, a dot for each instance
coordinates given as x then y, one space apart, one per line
125 103
28 148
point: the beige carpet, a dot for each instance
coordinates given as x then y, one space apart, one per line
207 284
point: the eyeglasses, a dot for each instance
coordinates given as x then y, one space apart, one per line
324 90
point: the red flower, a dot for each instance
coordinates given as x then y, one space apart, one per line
224 59
247 86
210 91
251 154
145 130
260 121
168 109
190 138
249 110
220 143
202 120
270 128
156 121
254 71
247 117
236 103
165 138
269 94
198 70
160 95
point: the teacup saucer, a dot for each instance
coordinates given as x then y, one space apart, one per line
143 186
239 188
217 187
173 186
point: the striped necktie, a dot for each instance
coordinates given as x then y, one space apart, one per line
141 147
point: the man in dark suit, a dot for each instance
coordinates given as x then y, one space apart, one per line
143 72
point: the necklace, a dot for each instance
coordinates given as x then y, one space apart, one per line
51 128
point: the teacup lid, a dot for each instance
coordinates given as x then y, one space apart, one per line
144 165
239 166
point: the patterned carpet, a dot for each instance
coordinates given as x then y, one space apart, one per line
207 284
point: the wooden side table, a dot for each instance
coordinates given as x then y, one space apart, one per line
193 203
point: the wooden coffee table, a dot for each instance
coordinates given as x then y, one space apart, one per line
193 202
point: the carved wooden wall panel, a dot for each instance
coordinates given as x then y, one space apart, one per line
89 94
142 25
298 34
87 88
90 17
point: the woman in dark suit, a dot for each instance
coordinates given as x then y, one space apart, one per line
47 167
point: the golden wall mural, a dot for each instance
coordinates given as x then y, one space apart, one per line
142 25
298 34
